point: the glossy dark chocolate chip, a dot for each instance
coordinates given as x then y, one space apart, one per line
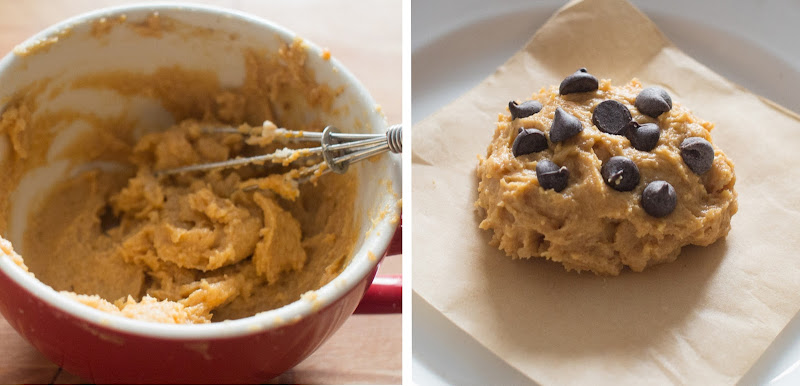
698 154
551 176
611 117
524 109
529 141
643 137
659 198
580 81
564 126
653 101
620 173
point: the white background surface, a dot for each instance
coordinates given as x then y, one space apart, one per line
457 43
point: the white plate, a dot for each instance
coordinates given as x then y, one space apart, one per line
457 43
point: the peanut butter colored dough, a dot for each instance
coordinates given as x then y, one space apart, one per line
190 248
589 225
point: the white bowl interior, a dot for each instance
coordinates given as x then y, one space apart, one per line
203 41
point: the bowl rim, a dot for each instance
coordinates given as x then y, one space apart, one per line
359 267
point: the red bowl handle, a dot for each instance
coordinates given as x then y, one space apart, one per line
385 294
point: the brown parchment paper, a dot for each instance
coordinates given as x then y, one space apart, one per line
703 319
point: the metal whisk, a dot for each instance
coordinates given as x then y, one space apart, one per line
338 150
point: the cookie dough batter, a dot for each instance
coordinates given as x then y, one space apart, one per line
195 247
557 193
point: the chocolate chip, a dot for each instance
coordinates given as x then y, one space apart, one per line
551 176
525 109
698 154
620 173
580 81
529 141
611 117
643 137
659 198
653 101
564 126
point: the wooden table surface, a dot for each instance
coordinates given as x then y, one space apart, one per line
366 37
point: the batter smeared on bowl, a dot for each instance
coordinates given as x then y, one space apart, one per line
599 177
188 248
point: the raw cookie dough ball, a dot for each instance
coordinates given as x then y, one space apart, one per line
592 224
